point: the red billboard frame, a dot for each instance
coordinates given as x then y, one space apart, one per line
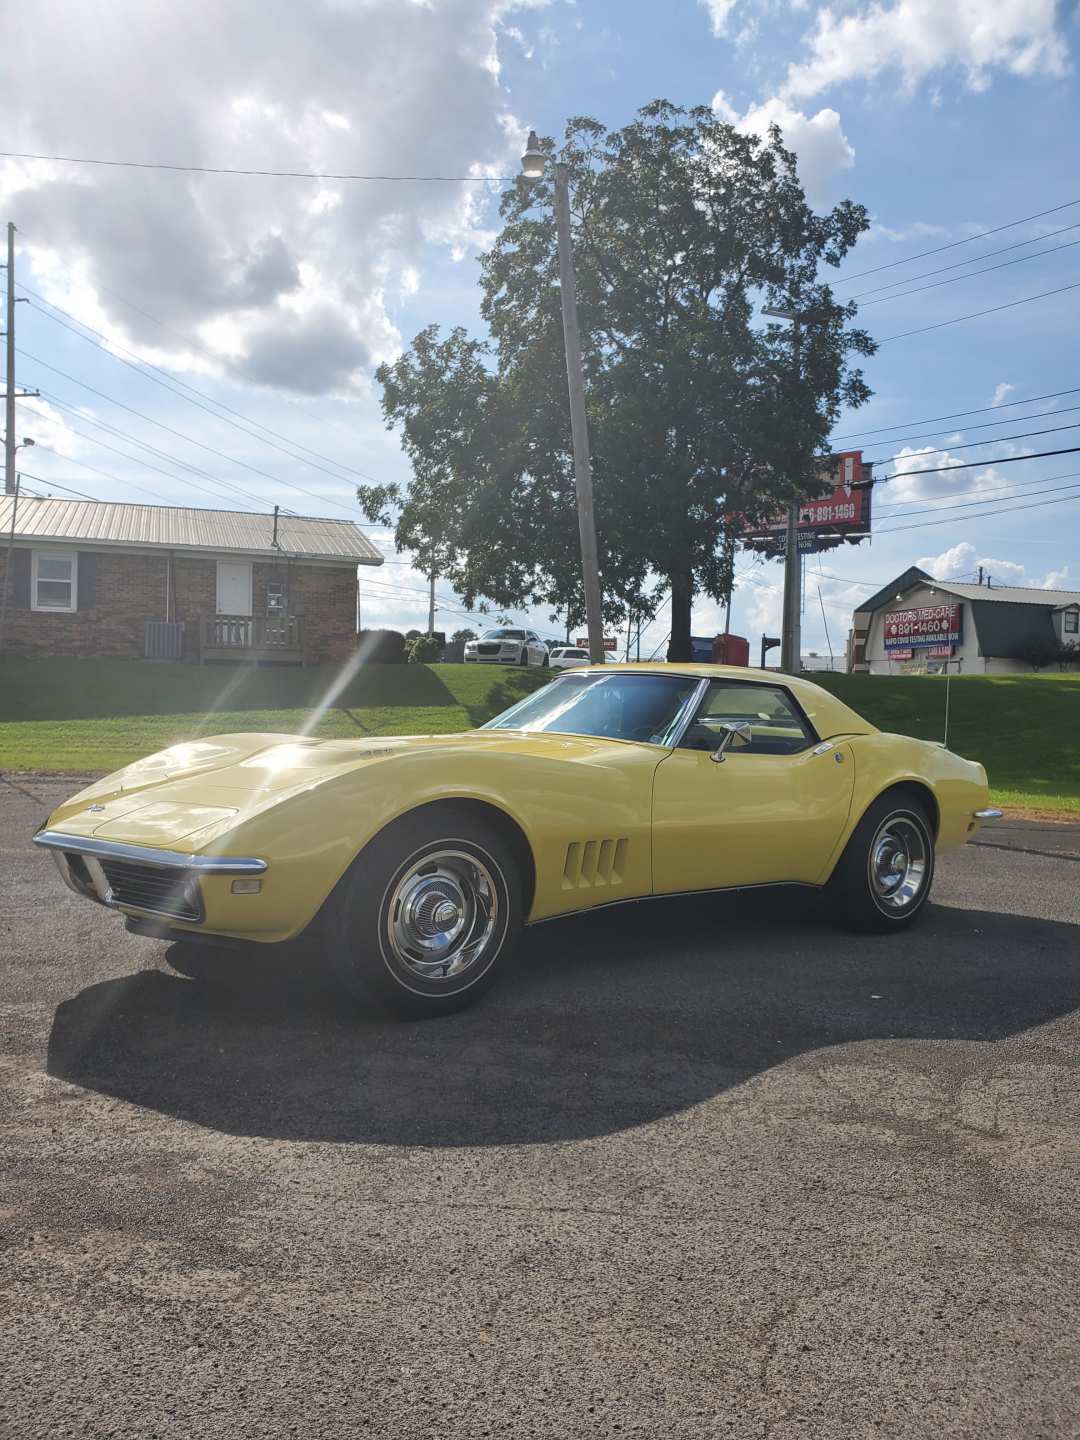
842 514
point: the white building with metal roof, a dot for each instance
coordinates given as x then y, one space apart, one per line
918 622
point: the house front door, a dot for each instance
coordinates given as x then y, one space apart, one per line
234 587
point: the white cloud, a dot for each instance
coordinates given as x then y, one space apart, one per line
937 481
818 140
719 13
1002 392
915 38
962 561
291 275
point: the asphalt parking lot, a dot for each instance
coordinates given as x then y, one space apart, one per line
706 1168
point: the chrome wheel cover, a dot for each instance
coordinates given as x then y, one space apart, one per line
899 863
441 916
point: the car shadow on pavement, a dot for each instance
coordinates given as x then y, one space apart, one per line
607 1021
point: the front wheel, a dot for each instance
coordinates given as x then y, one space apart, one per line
882 881
427 915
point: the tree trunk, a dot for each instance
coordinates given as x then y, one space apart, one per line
682 596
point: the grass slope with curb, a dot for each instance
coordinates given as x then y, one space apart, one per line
95 715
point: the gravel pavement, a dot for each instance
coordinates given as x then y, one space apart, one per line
695 1169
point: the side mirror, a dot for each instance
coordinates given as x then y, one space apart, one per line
737 735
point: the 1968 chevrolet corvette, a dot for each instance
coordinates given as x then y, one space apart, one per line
413 862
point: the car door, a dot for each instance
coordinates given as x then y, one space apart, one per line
771 812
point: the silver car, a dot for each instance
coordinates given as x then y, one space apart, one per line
506 646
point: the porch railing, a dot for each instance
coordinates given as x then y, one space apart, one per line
253 632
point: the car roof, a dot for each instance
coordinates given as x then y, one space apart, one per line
828 715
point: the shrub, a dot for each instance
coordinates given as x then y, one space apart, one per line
383 647
422 649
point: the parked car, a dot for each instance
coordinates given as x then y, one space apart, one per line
506 646
568 657
412 863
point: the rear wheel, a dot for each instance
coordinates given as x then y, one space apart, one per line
427 915
882 881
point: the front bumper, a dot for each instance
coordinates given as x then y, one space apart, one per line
139 879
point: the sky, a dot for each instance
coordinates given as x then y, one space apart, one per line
217 335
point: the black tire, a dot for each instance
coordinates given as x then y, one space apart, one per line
388 896
890 853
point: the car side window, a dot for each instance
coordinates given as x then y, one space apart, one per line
776 725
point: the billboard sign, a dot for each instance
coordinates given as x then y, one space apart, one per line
934 627
842 514
610 643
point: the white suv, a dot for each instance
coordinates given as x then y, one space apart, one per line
506 647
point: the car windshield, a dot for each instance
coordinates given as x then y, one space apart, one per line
637 707
503 635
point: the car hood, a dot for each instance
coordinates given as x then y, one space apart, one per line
191 794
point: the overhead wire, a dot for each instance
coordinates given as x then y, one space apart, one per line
225 489
958 415
959 264
971 275
263 474
973 444
986 425
975 314
266 174
179 387
955 244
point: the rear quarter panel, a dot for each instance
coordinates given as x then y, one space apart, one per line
882 761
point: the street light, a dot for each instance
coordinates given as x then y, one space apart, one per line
791 628
533 164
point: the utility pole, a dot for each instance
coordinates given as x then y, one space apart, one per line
431 604
9 397
791 632
7 565
579 429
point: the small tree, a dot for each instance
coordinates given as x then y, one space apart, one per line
423 649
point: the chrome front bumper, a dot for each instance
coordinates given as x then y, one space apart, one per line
988 814
135 877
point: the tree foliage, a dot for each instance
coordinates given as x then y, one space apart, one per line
697 412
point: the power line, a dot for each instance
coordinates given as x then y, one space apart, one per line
973 465
988 515
268 174
226 488
1027 299
178 387
903 507
997 500
55 485
972 274
959 264
264 474
954 244
85 465
973 444
958 415
987 425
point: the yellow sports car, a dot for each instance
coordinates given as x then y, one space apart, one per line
413 862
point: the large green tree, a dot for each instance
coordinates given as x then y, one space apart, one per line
698 412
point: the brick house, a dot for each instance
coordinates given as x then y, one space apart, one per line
89 578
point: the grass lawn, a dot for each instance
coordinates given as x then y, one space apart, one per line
95 715
1024 728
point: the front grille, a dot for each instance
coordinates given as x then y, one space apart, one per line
154 888
488 649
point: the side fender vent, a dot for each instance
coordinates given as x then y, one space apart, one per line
594 862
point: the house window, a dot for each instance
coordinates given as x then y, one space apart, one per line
54 579
1072 622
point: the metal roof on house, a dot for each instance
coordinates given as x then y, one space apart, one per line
1009 594
1002 594
176 527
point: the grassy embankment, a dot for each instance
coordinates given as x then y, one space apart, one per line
94 715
